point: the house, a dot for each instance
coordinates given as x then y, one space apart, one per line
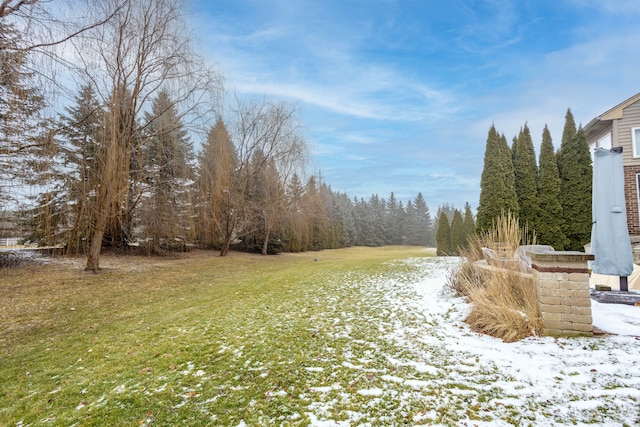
620 127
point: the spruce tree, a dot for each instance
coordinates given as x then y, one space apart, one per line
443 235
525 172
574 167
393 221
424 232
168 169
457 232
21 101
497 185
549 226
83 135
410 225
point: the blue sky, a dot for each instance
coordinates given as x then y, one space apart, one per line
398 95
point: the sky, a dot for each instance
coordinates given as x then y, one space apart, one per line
398 95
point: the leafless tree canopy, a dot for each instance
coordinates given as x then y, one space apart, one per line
144 154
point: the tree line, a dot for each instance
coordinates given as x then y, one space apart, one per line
117 165
551 197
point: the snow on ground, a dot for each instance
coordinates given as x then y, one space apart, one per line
459 377
542 374
393 349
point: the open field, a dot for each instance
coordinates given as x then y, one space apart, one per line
172 340
359 336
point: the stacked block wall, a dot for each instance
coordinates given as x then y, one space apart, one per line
562 285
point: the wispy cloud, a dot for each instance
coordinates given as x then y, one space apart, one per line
398 96
612 7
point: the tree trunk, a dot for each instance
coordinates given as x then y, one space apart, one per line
228 234
265 244
93 255
225 248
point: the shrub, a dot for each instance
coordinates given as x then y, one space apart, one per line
504 302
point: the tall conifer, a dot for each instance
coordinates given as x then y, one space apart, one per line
497 185
574 167
443 235
457 232
424 233
549 226
525 172
469 224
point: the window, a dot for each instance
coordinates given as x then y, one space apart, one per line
635 141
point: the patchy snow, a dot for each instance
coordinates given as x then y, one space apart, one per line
393 349
460 377
370 392
555 376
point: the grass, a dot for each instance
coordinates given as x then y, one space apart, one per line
194 340
283 340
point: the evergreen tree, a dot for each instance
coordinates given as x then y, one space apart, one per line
510 200
497 185
378 211
83 133
526 172
443 235
549 224
295 234
216 187
468 224
21 102
344 210
319 217
411 226
394 220
574 167
424 232
569 130
457 232
168 172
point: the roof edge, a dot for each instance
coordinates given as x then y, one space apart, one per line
616 112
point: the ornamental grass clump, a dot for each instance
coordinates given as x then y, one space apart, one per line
503 300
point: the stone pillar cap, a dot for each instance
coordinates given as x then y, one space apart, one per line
565 256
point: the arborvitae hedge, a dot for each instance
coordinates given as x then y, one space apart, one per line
469 224
443 235
549 226
457 232
497 185
526 171
574 166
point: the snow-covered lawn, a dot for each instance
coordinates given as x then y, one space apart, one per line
463 378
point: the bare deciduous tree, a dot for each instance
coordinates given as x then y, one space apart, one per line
267 136
32 36
143 49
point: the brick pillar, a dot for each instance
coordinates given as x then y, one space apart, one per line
562 284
